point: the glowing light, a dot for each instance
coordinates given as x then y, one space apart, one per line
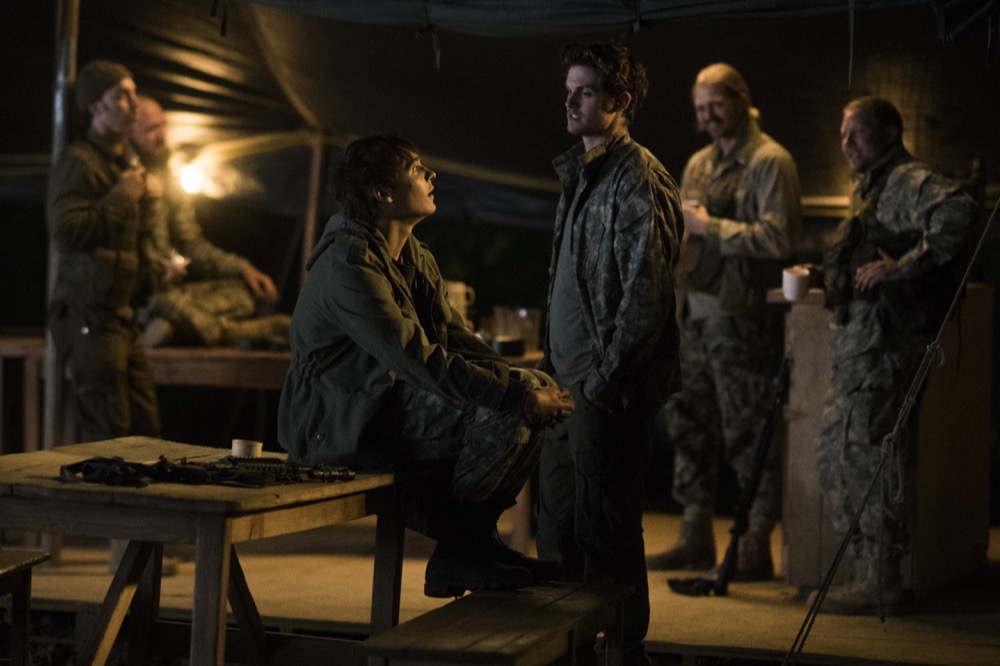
192 179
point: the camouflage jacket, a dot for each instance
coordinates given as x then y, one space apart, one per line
173 227
94 228
361 322
923 220
761 221
628 225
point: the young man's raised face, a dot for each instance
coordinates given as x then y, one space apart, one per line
412 195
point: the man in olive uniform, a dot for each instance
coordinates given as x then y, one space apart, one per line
890 279
94 222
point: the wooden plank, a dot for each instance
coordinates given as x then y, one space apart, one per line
219 366
13 560
533 626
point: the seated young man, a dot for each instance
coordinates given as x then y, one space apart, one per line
385 375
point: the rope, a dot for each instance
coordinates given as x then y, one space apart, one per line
892 482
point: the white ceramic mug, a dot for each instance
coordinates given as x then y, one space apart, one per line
795 283
247 448
461 296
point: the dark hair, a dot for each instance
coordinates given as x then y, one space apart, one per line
618 70
369 164
882 111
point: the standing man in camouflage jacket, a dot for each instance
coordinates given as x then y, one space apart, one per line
94 222
612 336
741 214
890 279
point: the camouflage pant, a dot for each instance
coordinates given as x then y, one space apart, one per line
719 410
198 309
492 452
870 378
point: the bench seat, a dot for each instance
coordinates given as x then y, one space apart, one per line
524 627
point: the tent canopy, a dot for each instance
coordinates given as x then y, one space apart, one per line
477 84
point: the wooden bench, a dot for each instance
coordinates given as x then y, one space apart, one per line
524 627
15 580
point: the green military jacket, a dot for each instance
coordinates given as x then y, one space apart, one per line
364 321
94 228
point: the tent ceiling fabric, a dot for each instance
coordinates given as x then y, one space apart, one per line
532 17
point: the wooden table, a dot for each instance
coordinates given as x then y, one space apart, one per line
222 367
214 518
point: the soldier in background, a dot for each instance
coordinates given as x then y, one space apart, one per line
197 292
889 279
94 215
741 214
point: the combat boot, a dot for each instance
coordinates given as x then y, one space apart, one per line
159 332
456 567
753 559
542 571
878 588
695 548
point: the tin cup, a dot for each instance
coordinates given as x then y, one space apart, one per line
247 448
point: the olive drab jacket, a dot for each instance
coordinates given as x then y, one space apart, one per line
364 321
94 228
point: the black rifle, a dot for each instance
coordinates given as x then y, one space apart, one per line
697 587
229 471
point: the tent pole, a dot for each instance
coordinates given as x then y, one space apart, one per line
67 30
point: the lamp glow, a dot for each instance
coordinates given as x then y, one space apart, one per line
192 179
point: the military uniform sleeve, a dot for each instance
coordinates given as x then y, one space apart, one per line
773 215
207 259
84 211
934 205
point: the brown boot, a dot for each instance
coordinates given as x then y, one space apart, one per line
880 588
753 560
695 549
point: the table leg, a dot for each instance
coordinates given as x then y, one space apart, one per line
245 610
116 603
213 549
388 575
145 610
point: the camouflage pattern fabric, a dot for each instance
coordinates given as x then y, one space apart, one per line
874 359
720 408
623 256
869 380
494 451
198 310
